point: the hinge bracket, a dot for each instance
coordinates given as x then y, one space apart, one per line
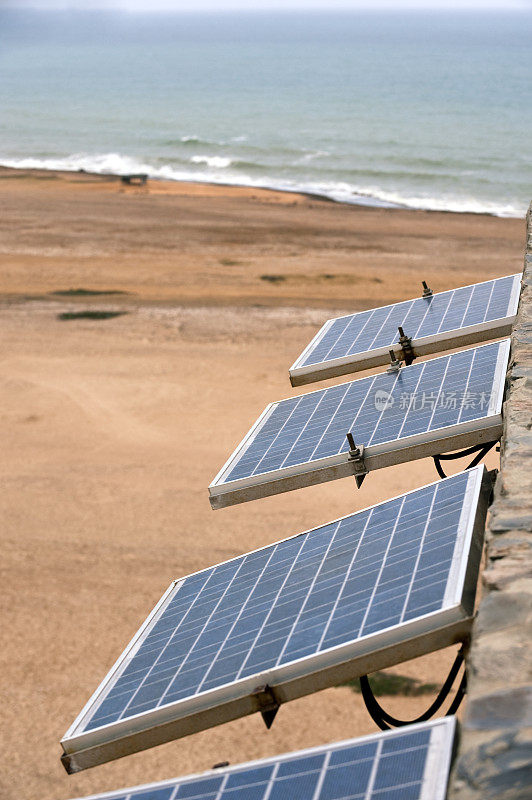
356 458
267 703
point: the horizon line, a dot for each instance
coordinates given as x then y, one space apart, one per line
265 9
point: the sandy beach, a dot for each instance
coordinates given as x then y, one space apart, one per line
113 428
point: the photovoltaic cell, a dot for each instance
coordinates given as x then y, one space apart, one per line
442 321
307 603
412 763
302 440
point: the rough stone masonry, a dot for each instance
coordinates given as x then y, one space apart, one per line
495 753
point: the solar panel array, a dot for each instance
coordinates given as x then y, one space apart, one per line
308 611
352 340
385 410
333 586
410 764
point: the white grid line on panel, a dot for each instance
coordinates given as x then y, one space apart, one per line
416 565
346 578
167 643
244 606
374 592
271 782
179 669
296 406
374 768
307 423
323 773
331 420
467 385
313 583
222 786
289 572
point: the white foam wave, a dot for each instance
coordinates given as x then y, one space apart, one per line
217 162
374 195
460 205
106 163
312 155
117 164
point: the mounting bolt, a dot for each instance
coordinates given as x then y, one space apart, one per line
406 345
395 364
427 292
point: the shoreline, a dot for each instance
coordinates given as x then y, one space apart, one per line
372 203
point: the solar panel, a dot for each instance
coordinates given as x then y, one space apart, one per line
412 763
438 322
425 409
358 594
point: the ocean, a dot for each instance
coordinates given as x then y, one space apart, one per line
414 110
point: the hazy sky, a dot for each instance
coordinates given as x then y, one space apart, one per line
180 5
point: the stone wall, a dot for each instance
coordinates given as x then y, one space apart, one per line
495 752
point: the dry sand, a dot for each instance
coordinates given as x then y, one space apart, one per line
112 430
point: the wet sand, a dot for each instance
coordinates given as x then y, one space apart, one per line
112 429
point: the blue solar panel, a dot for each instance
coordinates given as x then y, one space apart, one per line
350 341
336 585
409 764
382 411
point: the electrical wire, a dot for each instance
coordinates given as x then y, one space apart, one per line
385 721
480 449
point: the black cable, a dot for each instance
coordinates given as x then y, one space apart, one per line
478 458
382 718
468 451
438 466
371 703
459 696
480 449
435 706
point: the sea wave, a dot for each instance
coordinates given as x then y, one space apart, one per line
217 171
218 162
311 155
192 139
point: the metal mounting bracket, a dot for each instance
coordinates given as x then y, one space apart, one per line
267 703
406 345
356 458
395 364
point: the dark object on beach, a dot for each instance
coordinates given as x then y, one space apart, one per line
68 315
229 262
273 278
135 180
85 292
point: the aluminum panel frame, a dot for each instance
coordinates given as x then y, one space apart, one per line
303 676
428 443
434 782
301 375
